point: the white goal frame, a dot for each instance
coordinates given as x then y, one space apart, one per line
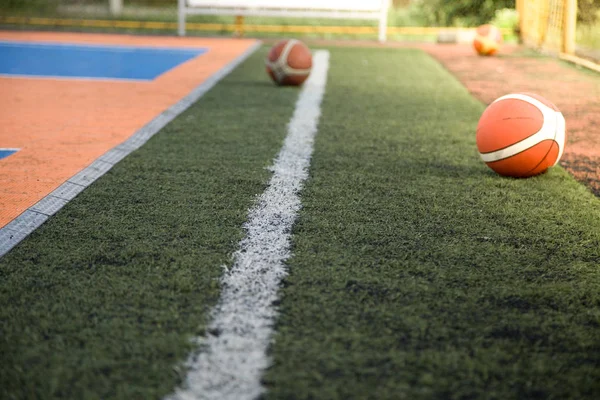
335 9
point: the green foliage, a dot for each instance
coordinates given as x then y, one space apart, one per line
588 36
460 12
506 18
407 16
587 11
37 5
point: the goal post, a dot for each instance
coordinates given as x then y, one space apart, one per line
548 25
328 9
570 26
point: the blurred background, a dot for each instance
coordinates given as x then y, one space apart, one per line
414 20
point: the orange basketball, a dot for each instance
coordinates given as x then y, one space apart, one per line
521 135
487 40
289 62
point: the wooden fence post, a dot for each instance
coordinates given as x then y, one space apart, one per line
570 26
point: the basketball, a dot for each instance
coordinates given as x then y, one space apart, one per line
487 40
521 135
289 62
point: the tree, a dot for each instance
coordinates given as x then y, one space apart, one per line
469 12
587 11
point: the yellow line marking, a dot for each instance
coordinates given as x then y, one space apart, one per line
351 30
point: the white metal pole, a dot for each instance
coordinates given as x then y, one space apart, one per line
181 17
115 6
385 5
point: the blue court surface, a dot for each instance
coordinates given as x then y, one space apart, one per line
6 152
90 61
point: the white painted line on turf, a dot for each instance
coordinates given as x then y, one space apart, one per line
231 359
22 226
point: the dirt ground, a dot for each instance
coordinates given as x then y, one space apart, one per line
574 90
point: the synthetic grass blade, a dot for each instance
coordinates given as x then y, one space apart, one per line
102 300
418 273
233 355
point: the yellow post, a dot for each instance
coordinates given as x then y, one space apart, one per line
542 21
521 13
239 26
570 26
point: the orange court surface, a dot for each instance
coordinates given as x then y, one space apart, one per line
53 127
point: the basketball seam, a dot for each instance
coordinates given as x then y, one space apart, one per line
548 152
286 70
544 109
522 151
507 146
542 160
280 67
523 97
484 156
511 145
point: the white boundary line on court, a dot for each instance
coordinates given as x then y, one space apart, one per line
74 78
100 46
231 359
19 228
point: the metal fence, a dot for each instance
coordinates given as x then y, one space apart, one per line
561 26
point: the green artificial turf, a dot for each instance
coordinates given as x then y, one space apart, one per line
420 274
101 302
417 272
